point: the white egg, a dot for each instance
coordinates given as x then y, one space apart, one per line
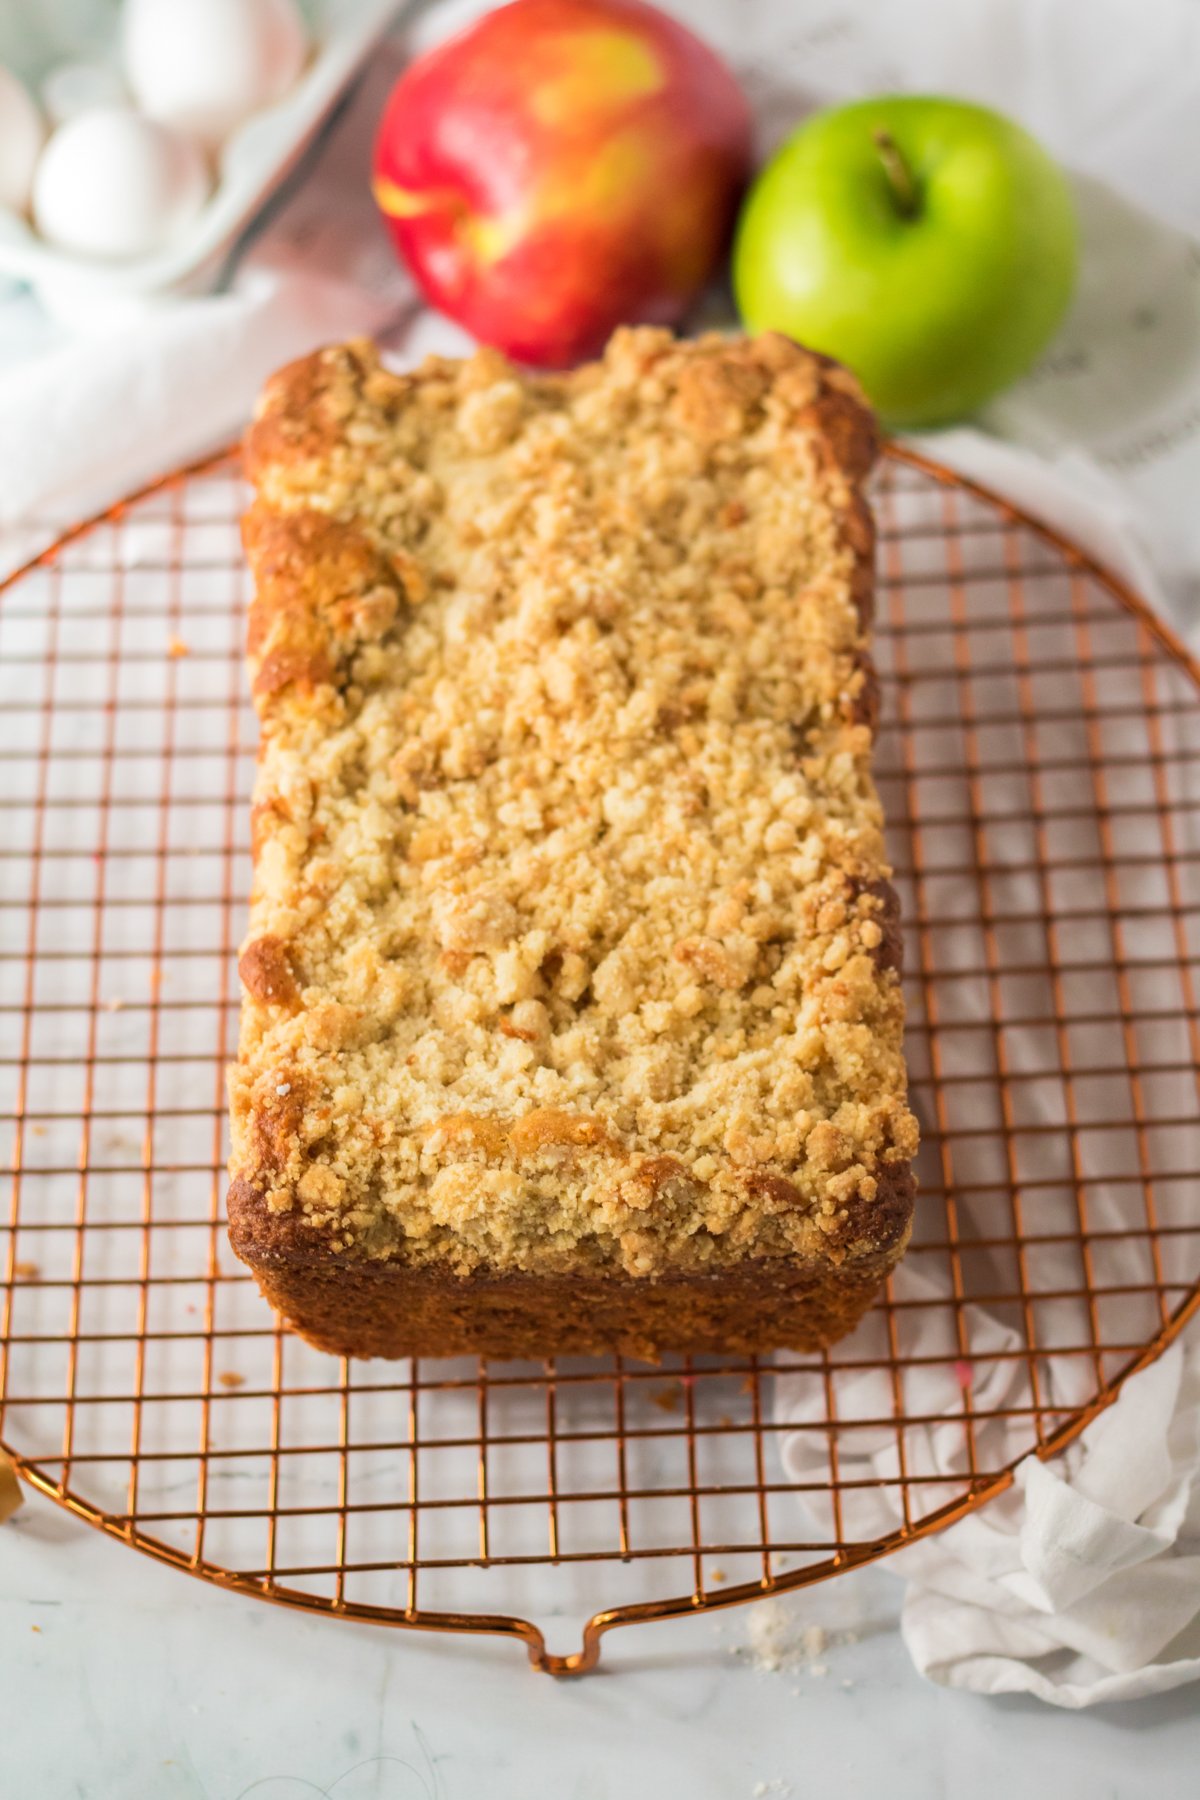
73 88
21 134
113 184
205 65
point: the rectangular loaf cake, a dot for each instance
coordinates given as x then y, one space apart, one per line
571 1019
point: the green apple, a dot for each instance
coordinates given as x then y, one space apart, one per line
928 244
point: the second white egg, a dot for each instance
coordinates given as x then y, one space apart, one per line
205 65
113 184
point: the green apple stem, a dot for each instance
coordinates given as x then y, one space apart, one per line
904 188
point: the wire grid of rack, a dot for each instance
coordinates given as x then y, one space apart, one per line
1039 760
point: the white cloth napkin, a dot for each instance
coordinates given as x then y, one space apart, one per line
1082 1584
1078 1584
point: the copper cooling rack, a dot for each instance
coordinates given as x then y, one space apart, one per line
1040 764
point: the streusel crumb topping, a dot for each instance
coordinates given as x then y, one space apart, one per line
569 934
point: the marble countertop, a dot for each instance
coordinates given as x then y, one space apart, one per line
122 1680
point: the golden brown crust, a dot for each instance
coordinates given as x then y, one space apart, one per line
322 589
364 1307
298 420
266 972
571 946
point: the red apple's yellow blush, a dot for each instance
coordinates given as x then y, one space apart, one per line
602 71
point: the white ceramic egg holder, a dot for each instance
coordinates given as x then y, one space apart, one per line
253 160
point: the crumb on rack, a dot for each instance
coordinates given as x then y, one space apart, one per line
229 1378
717 1576
177 646
114 1004
26 1271
668 1399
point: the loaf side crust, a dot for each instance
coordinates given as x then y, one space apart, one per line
364 1306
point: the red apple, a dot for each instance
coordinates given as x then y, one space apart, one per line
562 167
